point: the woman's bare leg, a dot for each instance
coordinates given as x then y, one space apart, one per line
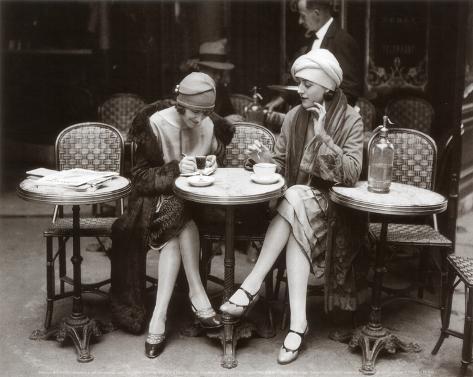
168 269
274 242
190 247
297 270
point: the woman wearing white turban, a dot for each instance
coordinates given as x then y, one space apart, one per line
321 143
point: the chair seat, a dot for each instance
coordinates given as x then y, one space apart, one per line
411 234
463 266
89 227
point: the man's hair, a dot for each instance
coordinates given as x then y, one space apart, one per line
326 5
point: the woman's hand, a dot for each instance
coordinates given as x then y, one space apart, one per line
187 165
259 152
319 124
211 162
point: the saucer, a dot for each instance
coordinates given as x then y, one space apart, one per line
267 180
201 180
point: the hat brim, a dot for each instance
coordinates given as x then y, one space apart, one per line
216 65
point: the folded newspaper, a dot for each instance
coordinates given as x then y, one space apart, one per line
76 179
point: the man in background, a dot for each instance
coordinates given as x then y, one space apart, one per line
316 16
212 61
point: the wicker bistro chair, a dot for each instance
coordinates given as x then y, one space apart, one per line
367 112
415 158
119 110
93 146
245 134
460 271
411 112
240 102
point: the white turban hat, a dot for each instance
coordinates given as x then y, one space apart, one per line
319 66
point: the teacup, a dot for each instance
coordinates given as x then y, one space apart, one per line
264 169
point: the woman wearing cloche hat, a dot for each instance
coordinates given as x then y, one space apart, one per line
167 142
320 144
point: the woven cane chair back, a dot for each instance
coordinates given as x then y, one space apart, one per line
367 113
245 134
415 157
239 102
91 145
119 111
411 112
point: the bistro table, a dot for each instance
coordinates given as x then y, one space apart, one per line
77 325
401 200
232 187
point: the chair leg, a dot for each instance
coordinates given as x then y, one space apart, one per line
205 261
422 273
269 330
279 277
447 294
285 310
50 282
62 262
444 285
467 336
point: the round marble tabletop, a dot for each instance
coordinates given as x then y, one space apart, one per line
232 186
113 189
401 199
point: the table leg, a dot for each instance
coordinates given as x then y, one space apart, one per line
372 338
78 326
229 342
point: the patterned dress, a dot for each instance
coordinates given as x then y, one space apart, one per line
311 166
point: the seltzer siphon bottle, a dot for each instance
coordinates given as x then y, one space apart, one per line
380 161
254 112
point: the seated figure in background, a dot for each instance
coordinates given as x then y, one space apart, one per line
167 143
212 61
321 143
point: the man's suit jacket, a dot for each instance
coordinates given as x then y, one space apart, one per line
347 52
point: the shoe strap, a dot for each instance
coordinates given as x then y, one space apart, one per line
155 338
301 334
248 294
203 313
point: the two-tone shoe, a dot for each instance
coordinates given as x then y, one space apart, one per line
237 310
288 355
154 345
207 317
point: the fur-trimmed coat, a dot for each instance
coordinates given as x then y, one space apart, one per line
151 177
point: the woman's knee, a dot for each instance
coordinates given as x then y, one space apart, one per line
293 193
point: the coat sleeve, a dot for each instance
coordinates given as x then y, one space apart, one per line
151 176
280 149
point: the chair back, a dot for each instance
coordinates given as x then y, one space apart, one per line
239 102
411 112
91 145
245 134
415 157
119 111
367 113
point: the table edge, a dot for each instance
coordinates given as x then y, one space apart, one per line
387 209
236 200
81 198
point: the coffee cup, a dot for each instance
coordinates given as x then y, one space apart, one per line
200 161
264 169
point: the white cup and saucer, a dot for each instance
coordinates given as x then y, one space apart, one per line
265 173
